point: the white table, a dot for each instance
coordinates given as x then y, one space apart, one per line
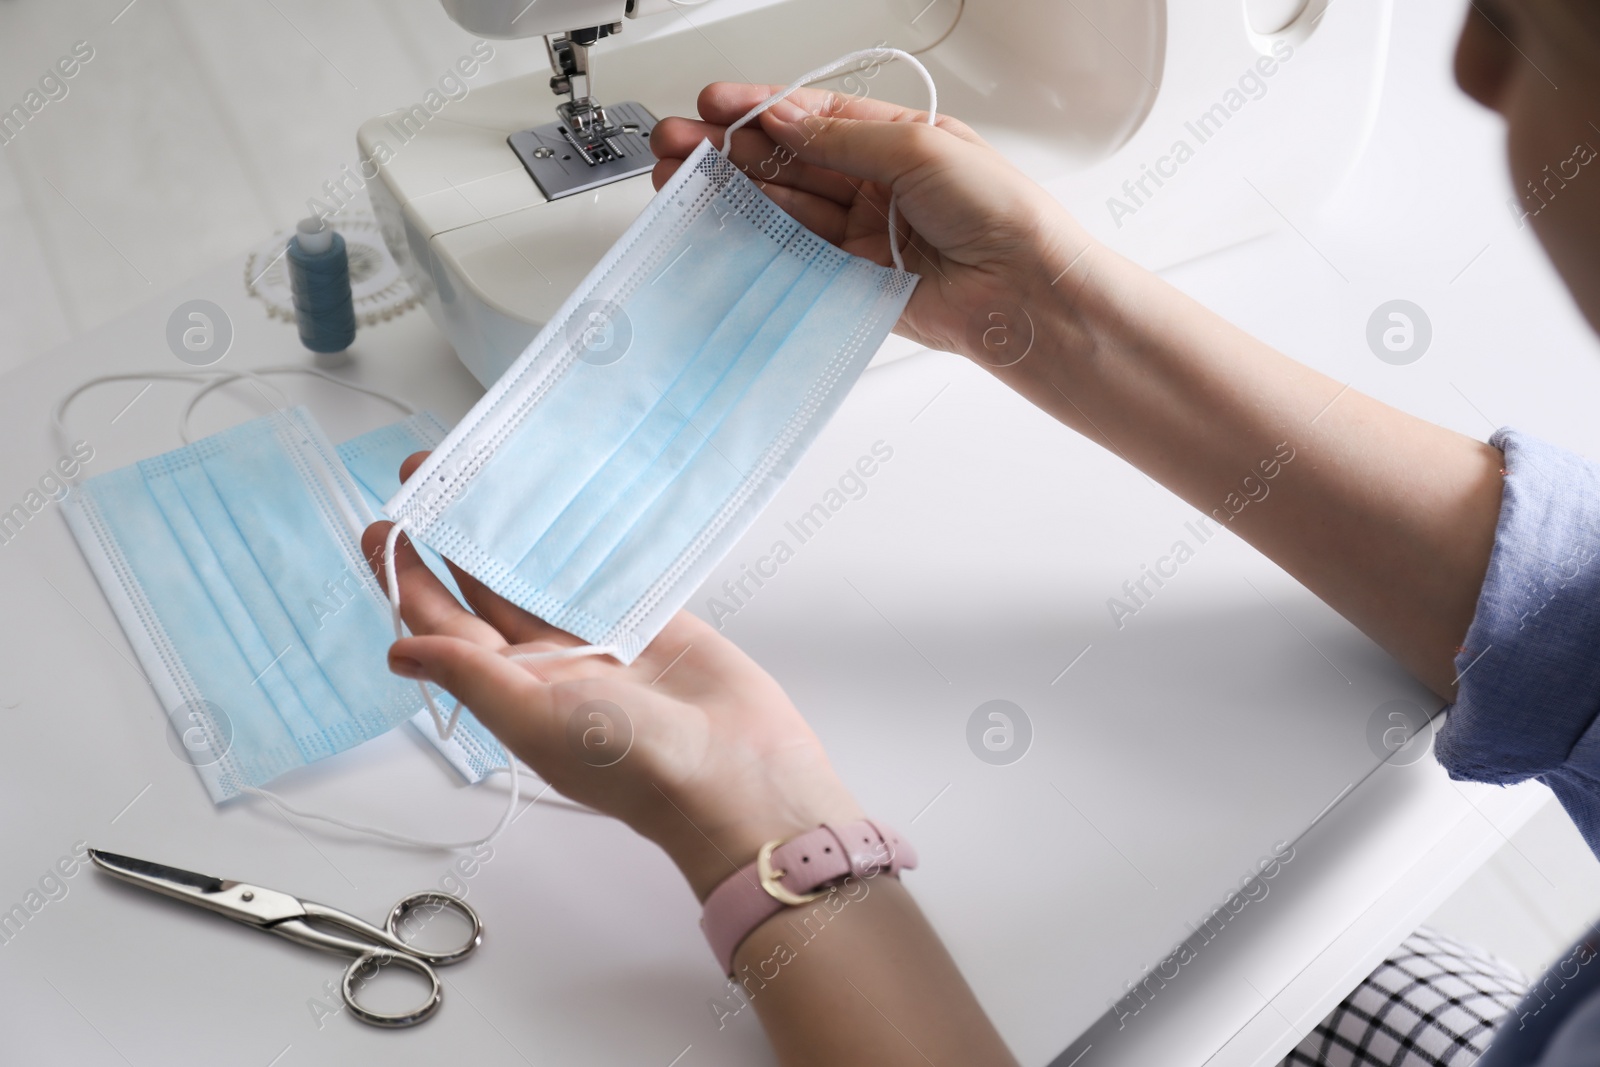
1164 762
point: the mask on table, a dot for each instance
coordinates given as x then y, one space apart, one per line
335 616
235 568
629 447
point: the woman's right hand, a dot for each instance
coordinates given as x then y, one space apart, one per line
988 241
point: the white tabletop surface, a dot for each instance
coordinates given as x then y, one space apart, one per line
1230 715
1164 763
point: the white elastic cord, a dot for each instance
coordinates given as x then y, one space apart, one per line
391 583
257 375
223 378
58 417
389 835
213 379
512 769
575 652
833 68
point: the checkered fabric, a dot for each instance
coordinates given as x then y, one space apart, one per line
1433 1003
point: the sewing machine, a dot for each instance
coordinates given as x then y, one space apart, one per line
1171 130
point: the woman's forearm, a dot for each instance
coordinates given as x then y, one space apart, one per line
1386 517
861 978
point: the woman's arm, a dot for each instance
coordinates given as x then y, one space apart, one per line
1387 518
873 984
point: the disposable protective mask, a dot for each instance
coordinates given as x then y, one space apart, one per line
234 567
642 431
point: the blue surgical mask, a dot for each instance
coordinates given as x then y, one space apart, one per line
373 459
630 446
234 566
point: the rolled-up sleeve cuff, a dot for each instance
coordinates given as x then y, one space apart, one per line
1529 673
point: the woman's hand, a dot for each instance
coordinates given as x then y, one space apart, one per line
1398 548
717 760
988 241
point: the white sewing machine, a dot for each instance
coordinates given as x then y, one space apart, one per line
1171 129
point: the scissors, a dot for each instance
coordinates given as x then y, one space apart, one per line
290 917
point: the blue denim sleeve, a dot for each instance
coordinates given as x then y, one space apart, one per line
1558 1022
1529 672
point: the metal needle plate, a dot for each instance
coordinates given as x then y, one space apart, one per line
555 157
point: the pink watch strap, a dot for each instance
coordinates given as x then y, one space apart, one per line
740 903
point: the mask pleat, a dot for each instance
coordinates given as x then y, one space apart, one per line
230 577
250 495
712 450
699 395
180 577
567 438
742 438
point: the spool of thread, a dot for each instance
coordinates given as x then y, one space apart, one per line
319 279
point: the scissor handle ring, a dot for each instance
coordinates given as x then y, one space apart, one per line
437 899
366 965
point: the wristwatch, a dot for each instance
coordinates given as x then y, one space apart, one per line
794 873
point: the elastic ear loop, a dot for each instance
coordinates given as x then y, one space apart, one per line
58 416
421 842
256 375
214 379
833 68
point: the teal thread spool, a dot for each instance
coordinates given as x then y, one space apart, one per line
319 279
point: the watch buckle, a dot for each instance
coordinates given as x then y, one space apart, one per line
769 879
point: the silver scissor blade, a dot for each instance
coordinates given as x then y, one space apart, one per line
237 900
157 876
